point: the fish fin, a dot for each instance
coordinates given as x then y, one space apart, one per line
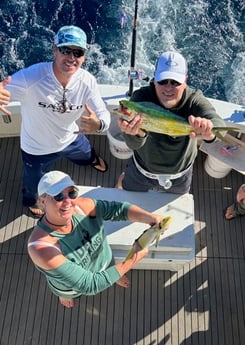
225 129
236 129
130 254
157 239
217 132
221 137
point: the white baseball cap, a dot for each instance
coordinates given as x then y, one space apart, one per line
171 65
54 182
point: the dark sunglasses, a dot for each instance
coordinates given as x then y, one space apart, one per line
77 53
171 81
73 194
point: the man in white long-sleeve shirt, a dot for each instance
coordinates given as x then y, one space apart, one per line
53 96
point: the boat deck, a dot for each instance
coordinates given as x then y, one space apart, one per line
202 304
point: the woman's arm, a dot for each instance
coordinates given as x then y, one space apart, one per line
57 268
138 214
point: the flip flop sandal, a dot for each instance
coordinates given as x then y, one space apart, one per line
235 211
97 163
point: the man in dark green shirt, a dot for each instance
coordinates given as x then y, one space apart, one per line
159 160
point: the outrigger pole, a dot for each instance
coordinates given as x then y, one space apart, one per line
133 49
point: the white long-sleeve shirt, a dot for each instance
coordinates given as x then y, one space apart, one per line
49 112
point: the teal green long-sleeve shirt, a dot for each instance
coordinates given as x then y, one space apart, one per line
88 270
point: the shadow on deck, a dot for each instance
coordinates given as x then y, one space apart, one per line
203 303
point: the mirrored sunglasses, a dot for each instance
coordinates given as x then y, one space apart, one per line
77 53
72 194
170 81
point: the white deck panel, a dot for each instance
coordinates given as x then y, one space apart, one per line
234 116
176 246
230 112
232 154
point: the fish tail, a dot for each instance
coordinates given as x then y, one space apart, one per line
217 131
157 239
220 136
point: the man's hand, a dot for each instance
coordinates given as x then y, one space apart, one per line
89 123
4 96
202 128
132 127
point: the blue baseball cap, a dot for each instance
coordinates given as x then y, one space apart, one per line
71 36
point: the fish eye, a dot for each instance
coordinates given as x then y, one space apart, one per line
122 107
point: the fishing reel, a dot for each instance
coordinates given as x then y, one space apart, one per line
135 74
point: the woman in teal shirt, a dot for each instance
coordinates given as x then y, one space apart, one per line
69 244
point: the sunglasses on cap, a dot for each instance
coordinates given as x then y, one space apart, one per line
72 194
77 53
170 81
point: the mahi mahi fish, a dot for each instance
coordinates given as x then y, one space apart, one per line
159 120
150 235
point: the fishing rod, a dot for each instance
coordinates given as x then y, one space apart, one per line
132 73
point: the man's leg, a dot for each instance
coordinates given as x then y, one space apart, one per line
133 180
34 167
182 185
80 152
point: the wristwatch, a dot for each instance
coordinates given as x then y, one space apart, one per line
210 141
145 134
102 127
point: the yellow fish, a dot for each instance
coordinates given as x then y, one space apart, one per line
159 120
150 235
